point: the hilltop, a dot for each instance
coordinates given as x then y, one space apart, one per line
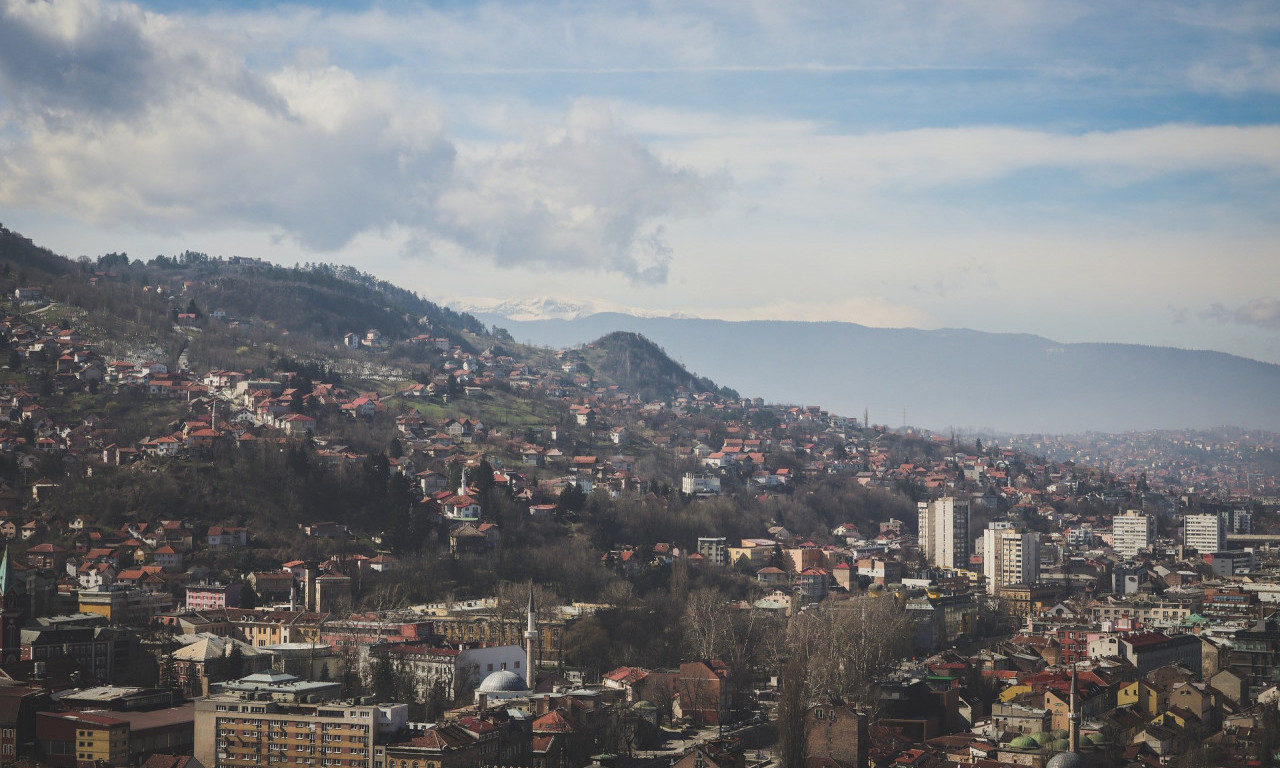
642 368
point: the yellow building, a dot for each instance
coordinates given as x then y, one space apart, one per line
1142 697
753 556
72 737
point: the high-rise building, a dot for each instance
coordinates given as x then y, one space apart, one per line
1132 532
1203 532
1009 556
1236 520
944 532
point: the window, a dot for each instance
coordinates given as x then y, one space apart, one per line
818 713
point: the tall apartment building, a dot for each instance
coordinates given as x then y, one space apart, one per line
268 724
1132 531
1204 533
1237 521
1009 556
944 532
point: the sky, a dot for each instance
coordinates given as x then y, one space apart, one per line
1086 171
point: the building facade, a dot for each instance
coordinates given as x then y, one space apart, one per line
1132 532
247 730
1009 556
944 532
1204 533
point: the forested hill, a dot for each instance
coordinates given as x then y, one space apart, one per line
318 300
24 260
641 367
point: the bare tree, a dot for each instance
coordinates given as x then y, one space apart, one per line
708 624
792 705
849 645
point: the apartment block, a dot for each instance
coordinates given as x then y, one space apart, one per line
944 532
1132 532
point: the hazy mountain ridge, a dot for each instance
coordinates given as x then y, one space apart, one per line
952 377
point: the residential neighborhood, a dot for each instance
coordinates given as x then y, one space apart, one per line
510 557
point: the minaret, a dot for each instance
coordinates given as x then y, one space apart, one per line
11 612
530 645
1074 715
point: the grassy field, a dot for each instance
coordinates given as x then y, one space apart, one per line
493 407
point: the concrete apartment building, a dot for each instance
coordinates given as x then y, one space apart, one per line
1132 532
273 719
1204 533
944 532
1009 556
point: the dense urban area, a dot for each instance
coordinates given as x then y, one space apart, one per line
261 516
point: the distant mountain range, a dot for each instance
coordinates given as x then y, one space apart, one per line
950 378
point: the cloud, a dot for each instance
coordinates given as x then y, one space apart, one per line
1263 312
1254 69
119 116
584 196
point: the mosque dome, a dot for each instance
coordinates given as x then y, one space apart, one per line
1066 760
502 681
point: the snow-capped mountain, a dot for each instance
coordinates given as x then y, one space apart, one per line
548 308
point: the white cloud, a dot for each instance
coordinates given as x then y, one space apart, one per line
186 136
586 195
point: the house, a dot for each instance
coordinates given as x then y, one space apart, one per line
466 539
460 507
836 734
296 424
703 692
382 563
222 539
167 558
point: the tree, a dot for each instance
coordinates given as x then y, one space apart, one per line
586 643
382 679
235 662
792 704
437 700
572 498
850 646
